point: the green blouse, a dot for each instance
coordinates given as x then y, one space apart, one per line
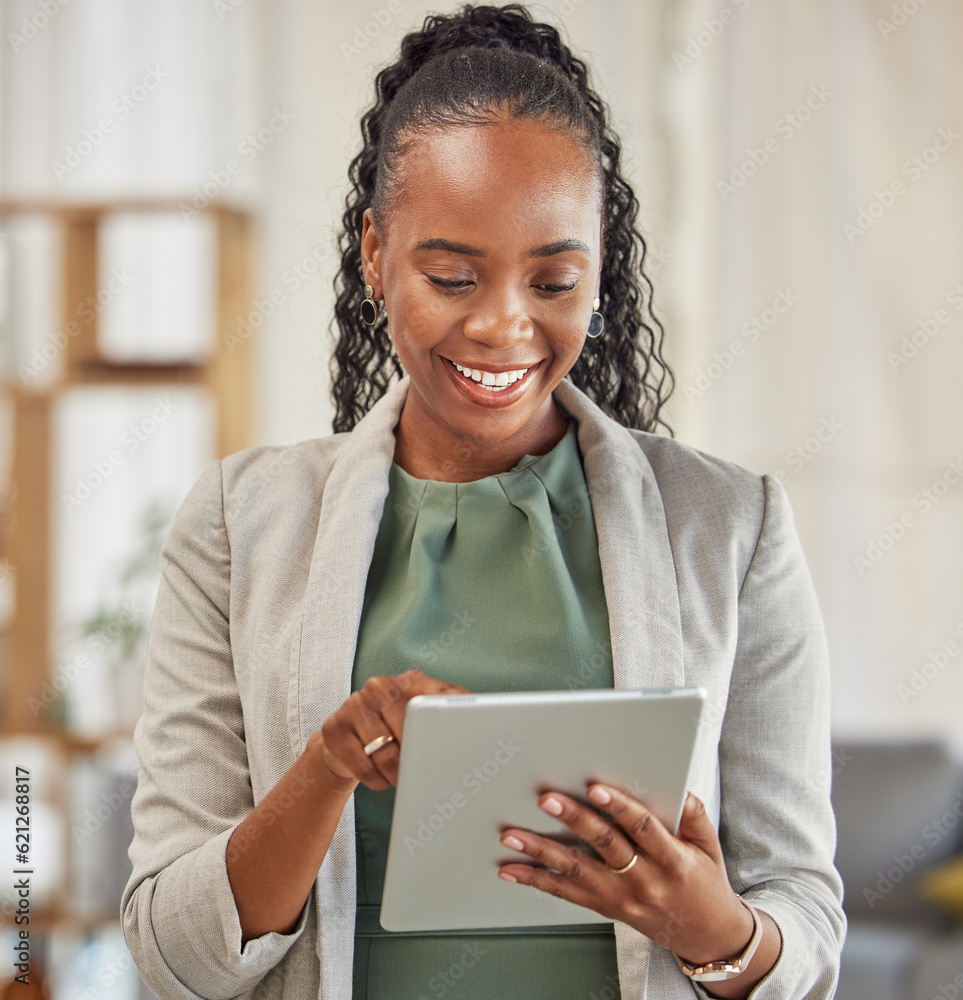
494 585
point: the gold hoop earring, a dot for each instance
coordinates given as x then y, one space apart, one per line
370 313
597 322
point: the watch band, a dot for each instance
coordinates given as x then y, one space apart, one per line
728 969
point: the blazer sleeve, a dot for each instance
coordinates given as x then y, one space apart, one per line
178 913
777 826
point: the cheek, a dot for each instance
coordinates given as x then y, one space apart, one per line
570 334
419 317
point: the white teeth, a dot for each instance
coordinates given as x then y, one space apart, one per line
490 379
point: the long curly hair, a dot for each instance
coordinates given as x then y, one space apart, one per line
622 371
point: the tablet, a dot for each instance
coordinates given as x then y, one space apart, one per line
473 765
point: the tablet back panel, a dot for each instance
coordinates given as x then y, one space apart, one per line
473 765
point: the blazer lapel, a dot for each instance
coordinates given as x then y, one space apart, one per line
638 571
351 507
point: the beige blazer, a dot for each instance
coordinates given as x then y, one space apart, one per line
252 646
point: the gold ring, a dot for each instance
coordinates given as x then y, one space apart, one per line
624 868
377 744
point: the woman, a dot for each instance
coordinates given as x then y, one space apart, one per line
500 518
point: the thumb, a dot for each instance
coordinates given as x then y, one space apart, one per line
696 828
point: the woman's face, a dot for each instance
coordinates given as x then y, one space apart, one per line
489 260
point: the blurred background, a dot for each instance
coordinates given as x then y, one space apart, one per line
172 177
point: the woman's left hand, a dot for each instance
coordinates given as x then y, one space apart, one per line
677 892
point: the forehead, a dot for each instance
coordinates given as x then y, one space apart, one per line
518 181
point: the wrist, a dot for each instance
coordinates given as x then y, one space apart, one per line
729 959
314 759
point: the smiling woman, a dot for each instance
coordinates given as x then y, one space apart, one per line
505 515
492 254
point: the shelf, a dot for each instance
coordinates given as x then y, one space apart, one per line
70 742
27 551
61 920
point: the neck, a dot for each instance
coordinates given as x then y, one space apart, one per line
426 449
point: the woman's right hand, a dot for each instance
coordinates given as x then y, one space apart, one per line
376 709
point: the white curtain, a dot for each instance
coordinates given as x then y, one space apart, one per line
818 159
108 98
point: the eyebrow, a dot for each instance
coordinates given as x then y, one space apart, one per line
545 250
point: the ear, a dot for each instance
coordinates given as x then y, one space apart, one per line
371 253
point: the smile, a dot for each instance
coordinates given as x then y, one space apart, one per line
492 390
495 381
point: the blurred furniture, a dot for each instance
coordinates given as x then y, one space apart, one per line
26 549
899 812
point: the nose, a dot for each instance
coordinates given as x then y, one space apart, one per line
498 319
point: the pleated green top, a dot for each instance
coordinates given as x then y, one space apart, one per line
495 585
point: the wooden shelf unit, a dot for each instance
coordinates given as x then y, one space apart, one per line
25 513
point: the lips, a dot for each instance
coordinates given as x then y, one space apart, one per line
491 395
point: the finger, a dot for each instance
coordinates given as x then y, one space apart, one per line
380 710
342 740
385 698
382 701
562 872
696 828
640 825
385 759
611 844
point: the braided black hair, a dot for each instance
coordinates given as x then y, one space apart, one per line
623 371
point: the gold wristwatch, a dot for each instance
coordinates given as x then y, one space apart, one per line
713 972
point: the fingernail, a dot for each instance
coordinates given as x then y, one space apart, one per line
513 842
552 806
507 877
599 795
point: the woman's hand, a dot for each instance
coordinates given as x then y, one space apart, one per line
677 892
376 709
